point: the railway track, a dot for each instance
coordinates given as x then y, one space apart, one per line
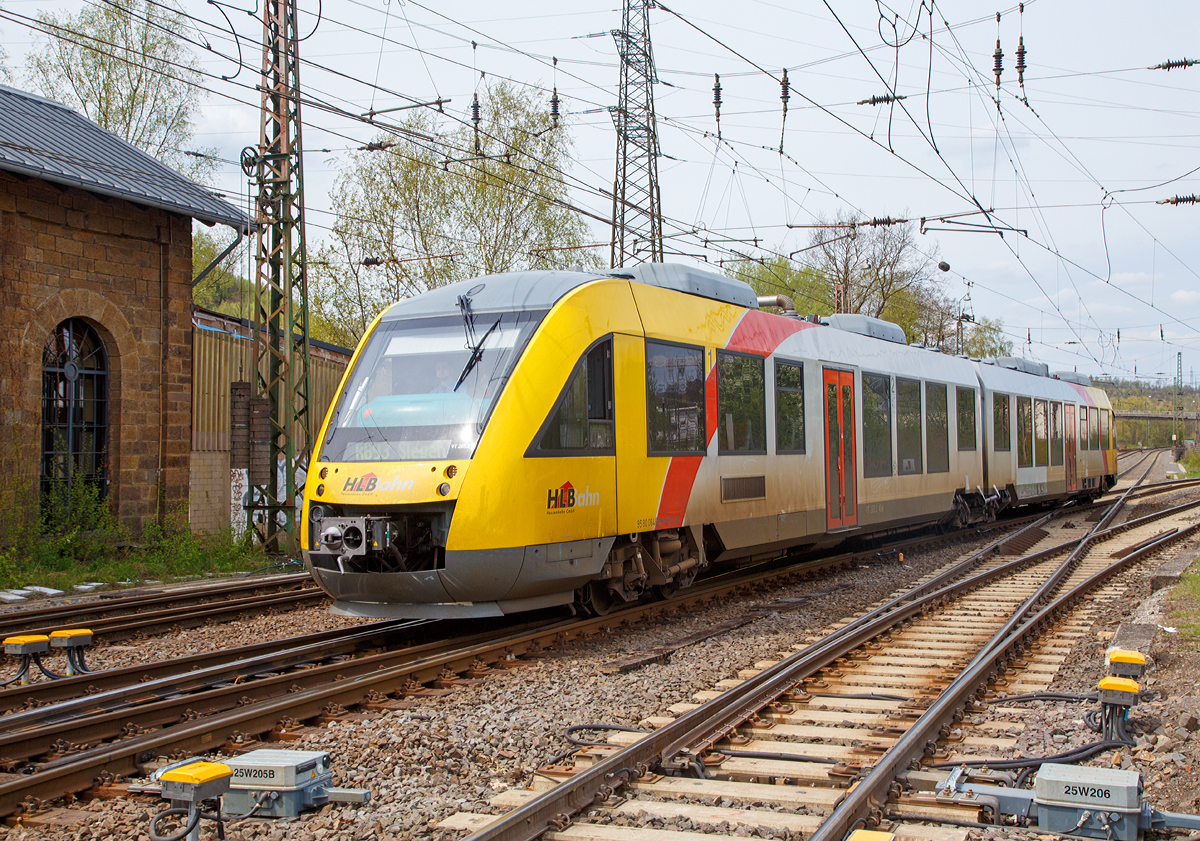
57 747
857 705
1128 468
115 615
63 742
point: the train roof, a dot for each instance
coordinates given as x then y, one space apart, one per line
538 291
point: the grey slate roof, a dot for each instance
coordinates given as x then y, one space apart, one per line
48 140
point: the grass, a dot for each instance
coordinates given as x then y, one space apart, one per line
1185 601
78 539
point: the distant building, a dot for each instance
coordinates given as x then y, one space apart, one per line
95 312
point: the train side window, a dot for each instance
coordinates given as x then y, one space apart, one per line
1094 415
741 403
789 407
1041 434
937 429
1056 434
1084 443
1024 432
581 423
675 399
964 405
1001 422
908 426
1104 437
877 424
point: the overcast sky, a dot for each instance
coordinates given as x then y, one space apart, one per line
1078 168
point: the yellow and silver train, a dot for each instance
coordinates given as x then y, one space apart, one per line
534 439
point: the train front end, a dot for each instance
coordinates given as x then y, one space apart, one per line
394 451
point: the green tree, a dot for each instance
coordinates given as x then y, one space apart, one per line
422 208
121 64
224 289
780 276
984 339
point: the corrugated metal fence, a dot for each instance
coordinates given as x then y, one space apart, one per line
220 356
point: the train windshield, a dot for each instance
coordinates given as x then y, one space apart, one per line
422 390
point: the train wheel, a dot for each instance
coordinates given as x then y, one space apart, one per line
665 591
597 598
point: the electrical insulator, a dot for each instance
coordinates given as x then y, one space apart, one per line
717 101
881 100
785 95
1174 64
1192 199
475 120
554 108
998 62
1021 61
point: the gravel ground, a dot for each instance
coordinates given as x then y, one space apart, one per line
445 754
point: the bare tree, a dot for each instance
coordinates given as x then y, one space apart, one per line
873 265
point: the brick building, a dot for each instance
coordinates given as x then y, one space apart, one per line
95 312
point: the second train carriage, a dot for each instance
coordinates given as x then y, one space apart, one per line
526 440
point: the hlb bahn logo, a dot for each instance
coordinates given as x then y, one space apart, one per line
565 499
370 482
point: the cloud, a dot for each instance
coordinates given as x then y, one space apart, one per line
1186 296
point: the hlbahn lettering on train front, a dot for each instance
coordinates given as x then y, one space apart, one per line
565 499
370 482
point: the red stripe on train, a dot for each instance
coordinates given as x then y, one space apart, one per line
757 332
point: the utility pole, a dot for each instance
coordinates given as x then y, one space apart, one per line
281 340
637 208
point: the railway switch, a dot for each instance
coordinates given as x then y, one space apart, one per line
1079 801
273 783
1124 663
73 640
189 785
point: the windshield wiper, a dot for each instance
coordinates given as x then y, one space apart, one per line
476 355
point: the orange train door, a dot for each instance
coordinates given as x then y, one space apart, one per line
1069 461
840 472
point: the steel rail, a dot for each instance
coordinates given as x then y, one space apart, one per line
702 725
189 678
118 627
141 676
872 791
1138 463
77 771
36 620
94 684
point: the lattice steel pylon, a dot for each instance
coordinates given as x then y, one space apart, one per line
281 339
637 208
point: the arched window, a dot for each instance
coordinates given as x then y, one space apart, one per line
74 408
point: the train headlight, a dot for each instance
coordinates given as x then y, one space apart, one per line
444 488
316 513
331 538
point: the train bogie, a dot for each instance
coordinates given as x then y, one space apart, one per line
522 441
